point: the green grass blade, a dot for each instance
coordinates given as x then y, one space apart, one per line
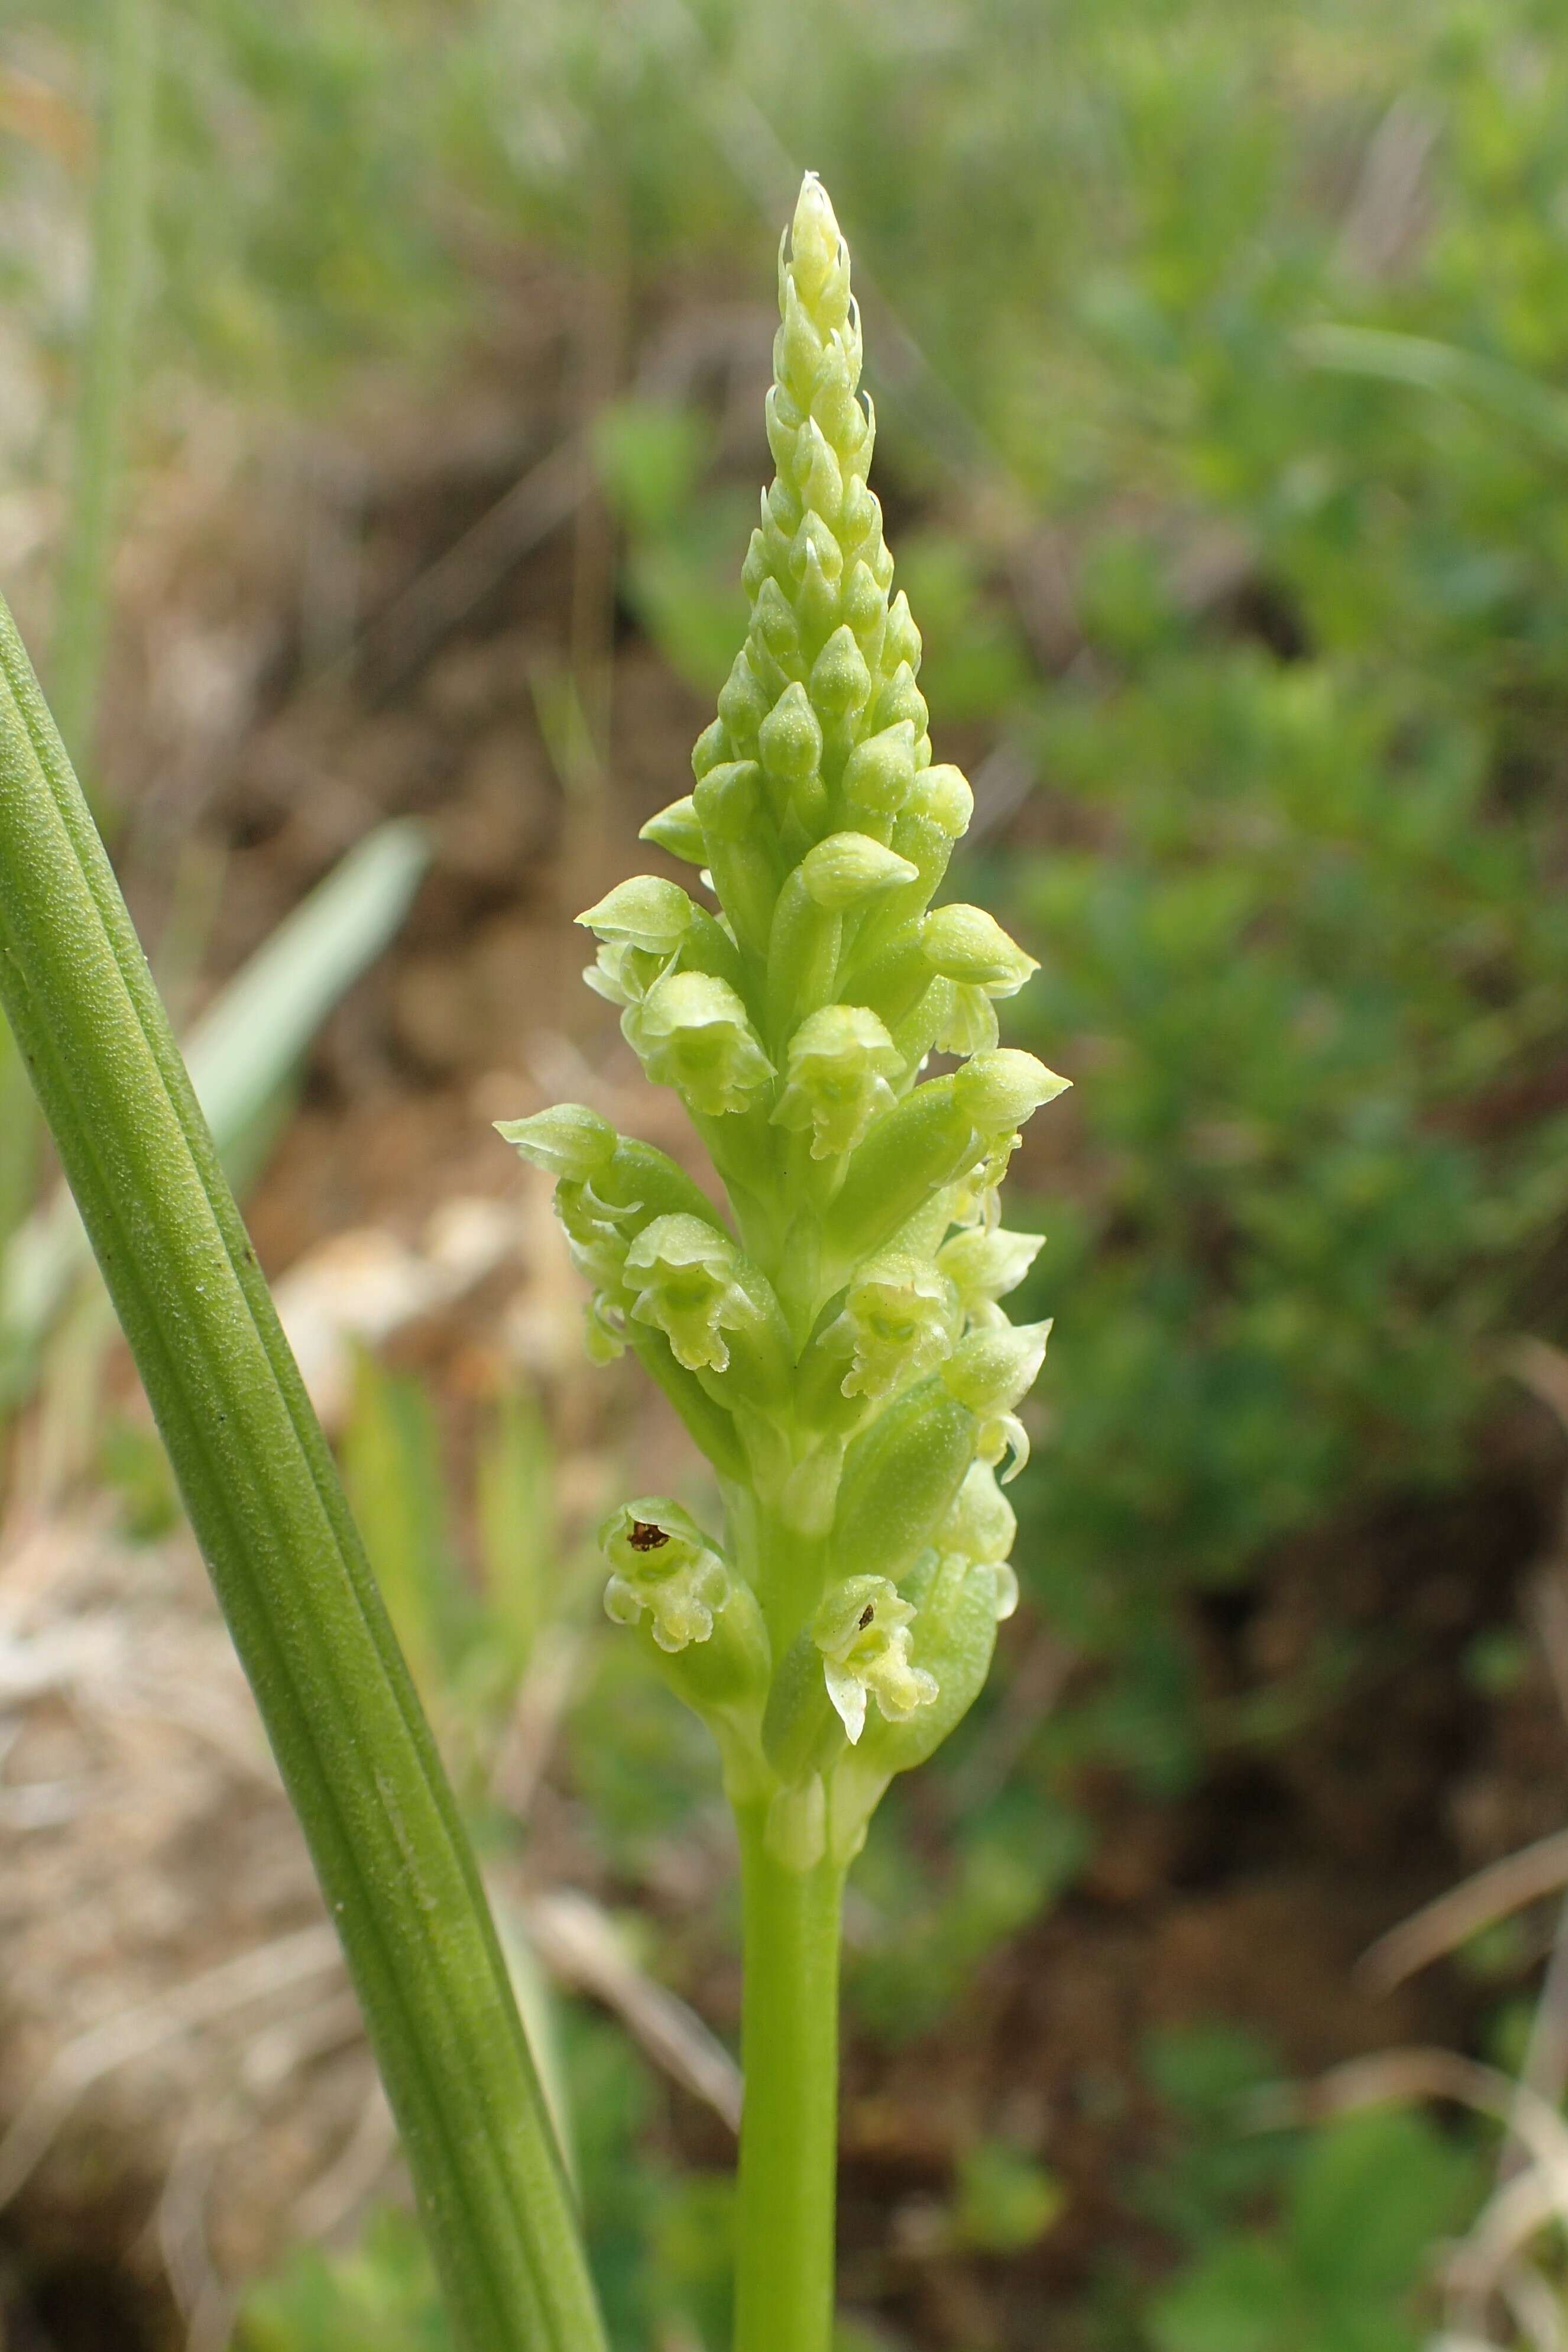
120 205
355 1750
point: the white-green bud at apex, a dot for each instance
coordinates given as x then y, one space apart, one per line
683 1272
570 1140
663 1564
837 1064
694 1033
862 1630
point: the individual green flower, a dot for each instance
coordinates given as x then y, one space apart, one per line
640 927
901 1315
968 947
862 1630
986 1266
837 1065
694 1033
980 1530
682 1273
663 1564
991 1372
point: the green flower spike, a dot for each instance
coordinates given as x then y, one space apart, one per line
832 1338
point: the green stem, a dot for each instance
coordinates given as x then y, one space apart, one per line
789 2132
353 1747
120 203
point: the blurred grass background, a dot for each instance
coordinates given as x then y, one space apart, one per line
1221 355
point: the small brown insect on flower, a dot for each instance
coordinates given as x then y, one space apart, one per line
866 1614
644 1536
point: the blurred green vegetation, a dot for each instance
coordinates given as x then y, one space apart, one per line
1276 625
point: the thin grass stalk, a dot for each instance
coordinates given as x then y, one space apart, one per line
122 201
352 1746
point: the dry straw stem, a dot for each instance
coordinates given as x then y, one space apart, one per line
353 1747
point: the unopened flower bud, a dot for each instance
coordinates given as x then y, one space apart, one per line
710 749
903 639
693 1033
679 830
742 704
817 473
570 1140
879 774
838 1063
862 1631
999 1091
966 944
815 242
899 1478
902 699
943 795
789 737
864 602
840 680
849 867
